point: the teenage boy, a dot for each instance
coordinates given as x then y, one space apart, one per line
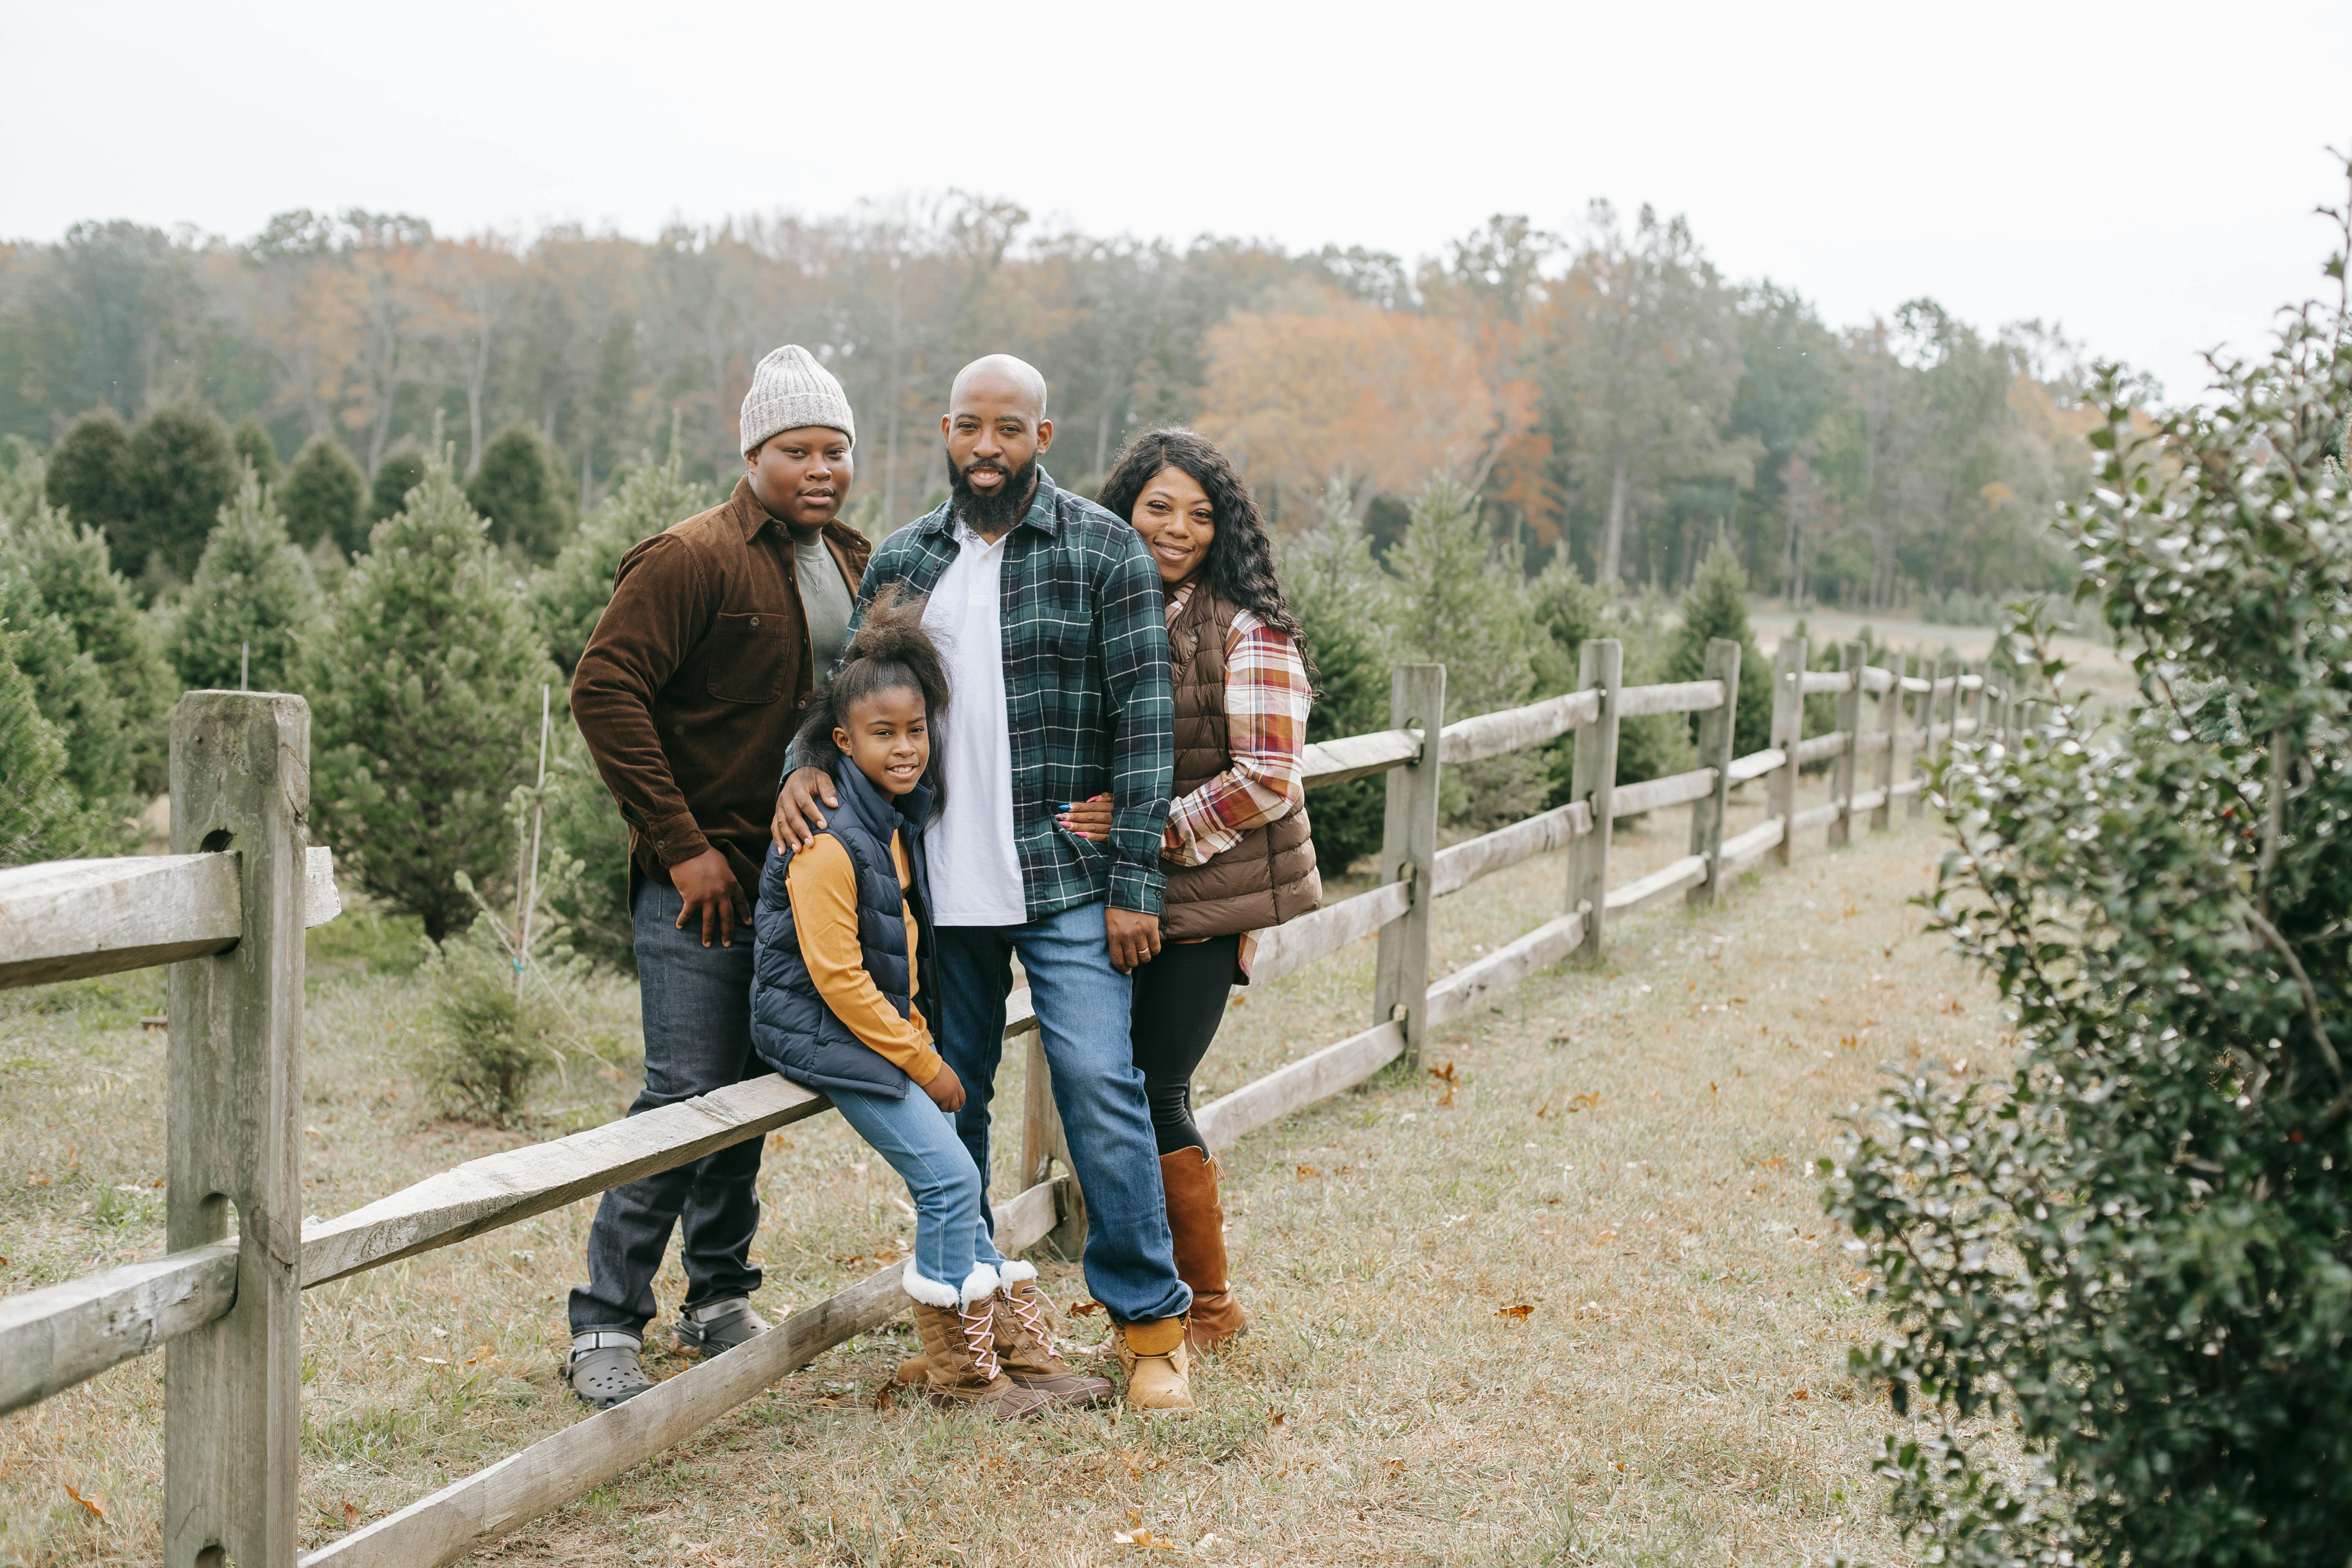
688 696
1050 616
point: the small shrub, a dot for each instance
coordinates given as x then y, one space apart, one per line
488 1040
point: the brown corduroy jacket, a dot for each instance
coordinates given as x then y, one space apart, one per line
692 684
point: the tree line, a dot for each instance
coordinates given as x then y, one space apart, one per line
1612 400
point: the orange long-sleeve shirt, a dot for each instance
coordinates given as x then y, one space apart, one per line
822 886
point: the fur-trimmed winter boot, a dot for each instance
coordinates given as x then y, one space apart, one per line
1023 1340
1158 1370
957 1328
1196 1218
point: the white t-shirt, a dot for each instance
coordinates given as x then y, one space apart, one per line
975 866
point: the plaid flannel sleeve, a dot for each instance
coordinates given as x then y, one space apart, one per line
1266 699
1131 629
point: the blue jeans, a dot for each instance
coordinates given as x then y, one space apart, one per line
920 1141
697 1007
1083 1006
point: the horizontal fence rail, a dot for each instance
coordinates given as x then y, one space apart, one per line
245 885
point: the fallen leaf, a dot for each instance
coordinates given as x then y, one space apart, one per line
885 1396
1518 1314
1393 1464
1281 1422
36 1179
95 1502
351 1516
1543 1111
1307 1170
1445 1076
1800 1393
1710 1086
1085 1309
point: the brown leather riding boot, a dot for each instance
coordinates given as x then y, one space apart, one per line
1197 1220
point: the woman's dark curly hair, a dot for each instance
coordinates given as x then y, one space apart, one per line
1241 557
890 651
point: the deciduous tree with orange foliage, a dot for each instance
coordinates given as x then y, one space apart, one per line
1383 398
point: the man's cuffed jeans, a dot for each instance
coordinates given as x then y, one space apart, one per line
697 1003
1083 1006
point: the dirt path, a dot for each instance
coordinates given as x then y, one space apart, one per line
1625 1151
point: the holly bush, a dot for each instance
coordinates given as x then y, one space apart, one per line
2119 1280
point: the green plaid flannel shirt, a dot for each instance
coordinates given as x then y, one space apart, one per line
1086 693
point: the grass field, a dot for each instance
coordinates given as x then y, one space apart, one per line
1624 1151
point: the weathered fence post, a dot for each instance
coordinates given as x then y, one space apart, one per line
1409 854
1715 727
1849 724
1788 729
1602 666
1924 751
1890 721
240 775
1043 1141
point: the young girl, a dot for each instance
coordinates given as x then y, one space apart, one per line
841 953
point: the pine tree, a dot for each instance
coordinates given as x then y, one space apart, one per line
569 597
401 471
23 477
517 490
1336 589
1460 604
41 818
90 472
258 449
74 577
183 472
1716 606
72 695
425 689
253 605
322 495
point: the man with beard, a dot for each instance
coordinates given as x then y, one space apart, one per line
1050 615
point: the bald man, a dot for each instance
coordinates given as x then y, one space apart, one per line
1050 616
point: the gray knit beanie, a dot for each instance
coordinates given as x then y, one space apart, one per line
789 390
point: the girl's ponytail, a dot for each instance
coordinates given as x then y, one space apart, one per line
890 650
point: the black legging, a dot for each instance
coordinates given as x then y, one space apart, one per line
1180 998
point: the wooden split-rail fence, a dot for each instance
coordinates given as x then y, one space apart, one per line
227 909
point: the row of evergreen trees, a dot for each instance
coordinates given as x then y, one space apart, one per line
156 488
424 660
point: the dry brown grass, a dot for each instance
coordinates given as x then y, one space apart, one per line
1625 1150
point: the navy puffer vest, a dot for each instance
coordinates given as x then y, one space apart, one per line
791 1028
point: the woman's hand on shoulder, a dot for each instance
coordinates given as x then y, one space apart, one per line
1089 820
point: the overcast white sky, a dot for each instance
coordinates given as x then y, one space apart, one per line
2143 174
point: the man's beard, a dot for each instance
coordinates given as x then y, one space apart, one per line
989 515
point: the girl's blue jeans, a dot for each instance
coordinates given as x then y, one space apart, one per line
920 1141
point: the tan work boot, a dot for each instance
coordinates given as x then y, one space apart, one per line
958 1336
1158 1366
1024 1341
1197 1220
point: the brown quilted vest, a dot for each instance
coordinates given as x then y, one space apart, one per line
1269 876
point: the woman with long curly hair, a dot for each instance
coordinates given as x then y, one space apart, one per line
1237 852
